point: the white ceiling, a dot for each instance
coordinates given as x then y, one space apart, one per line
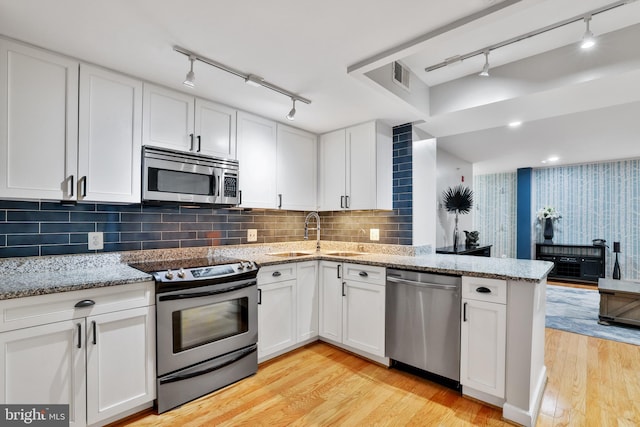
306 47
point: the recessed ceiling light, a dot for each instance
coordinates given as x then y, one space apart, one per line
515 124
551 159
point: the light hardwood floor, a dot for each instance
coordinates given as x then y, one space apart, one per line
592 382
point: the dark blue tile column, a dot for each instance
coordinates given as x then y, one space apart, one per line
523 213
403 182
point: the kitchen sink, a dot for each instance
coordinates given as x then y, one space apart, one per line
343 253
290 254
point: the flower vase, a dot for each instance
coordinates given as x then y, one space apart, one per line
548 230
455 235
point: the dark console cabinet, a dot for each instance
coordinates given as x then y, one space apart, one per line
575 263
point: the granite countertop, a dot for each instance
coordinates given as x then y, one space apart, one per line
24 277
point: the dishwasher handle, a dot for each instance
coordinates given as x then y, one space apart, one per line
423 284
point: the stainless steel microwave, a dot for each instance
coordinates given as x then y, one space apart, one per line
176 176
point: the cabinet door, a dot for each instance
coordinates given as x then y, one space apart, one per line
257 158
46 365
307 296
215 129
297 159
120 362
483 346
39 122
363 317
168 118
330 293
109 136
361 169
276 317
332 171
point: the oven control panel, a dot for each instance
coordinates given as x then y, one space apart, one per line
204 273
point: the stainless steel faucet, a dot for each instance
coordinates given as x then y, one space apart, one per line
306 227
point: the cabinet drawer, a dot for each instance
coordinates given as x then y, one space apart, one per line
41 309
276 273
364 273
473 287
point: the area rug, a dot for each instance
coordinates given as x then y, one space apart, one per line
576 310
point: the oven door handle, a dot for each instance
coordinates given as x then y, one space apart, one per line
185 376
206 294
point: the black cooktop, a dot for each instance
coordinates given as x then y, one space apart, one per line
176 264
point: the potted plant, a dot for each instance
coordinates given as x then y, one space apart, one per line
457 200
547 215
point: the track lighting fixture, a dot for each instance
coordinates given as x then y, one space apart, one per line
189 81
250 79
485 69
588 40
292 113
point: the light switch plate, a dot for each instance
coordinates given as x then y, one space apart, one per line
252 235
96 241
374 234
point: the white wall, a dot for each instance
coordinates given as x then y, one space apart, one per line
451 171
425 197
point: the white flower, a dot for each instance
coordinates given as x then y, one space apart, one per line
548 212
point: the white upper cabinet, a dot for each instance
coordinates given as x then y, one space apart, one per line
296 169
178 121
109 136
215 129
39 122
356 168
257 158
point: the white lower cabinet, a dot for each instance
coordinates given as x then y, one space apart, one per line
102 364
118 373
276 315
44 364
483 337
307 300
288 307
352 306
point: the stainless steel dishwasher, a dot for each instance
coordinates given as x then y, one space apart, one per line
423 322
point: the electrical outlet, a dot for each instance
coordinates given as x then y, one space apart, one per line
96 241
252 235
374 234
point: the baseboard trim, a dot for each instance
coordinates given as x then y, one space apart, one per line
529 417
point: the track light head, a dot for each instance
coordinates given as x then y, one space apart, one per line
485 69
588 39
292 113
190 79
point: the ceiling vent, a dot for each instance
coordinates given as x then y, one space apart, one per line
400 74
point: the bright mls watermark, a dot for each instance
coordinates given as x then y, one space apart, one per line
34 415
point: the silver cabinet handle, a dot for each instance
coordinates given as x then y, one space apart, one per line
343 290
276 274
464 312
338 271
483 290
199 143
347 199
94 326
73 179
342 201
259 296
191 137
279 200
363 274
84 186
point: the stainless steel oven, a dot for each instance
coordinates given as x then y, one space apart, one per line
206 329
175 176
